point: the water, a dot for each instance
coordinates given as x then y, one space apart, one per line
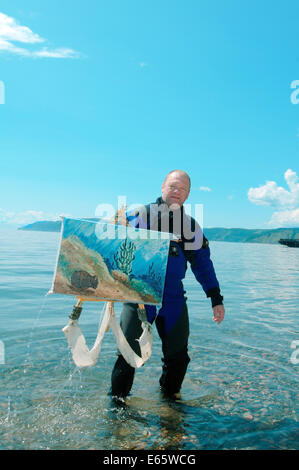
240 390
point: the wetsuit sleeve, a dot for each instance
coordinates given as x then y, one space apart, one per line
203 270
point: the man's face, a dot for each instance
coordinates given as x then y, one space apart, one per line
175 190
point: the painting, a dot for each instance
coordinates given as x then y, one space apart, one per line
111 262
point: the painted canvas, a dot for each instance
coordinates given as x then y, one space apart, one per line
111 262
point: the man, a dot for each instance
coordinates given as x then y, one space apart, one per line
172 321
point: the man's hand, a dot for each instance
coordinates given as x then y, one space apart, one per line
218 313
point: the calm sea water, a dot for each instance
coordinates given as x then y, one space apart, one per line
240 390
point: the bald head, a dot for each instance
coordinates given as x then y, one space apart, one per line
180 174
176 188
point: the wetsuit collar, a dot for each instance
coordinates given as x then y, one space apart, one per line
160 201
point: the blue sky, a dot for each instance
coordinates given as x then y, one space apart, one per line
104 98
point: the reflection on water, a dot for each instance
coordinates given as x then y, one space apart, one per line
240 390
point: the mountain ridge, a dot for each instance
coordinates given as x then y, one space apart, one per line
213 233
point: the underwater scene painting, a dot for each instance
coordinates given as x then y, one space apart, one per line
110 262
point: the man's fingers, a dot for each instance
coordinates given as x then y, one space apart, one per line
218 314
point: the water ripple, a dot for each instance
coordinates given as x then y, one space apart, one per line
240 390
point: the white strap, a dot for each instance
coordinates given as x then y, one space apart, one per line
145 343
83 357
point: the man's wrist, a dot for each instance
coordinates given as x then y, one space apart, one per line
216 297
217 301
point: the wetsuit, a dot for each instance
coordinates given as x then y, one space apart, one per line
171 320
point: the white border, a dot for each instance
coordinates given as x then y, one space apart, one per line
51 291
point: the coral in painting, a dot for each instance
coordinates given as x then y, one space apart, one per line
125 256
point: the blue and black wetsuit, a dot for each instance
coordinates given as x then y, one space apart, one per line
171 320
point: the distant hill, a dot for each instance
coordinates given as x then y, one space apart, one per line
47 225
213 234
250 235
43 226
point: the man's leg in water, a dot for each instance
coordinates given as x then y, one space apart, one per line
175 352
123 374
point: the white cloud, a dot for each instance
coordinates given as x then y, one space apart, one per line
25 217
205 188
6 46
285 218
62 53
271 194
11 32
286 202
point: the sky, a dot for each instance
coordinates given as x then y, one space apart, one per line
101 99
